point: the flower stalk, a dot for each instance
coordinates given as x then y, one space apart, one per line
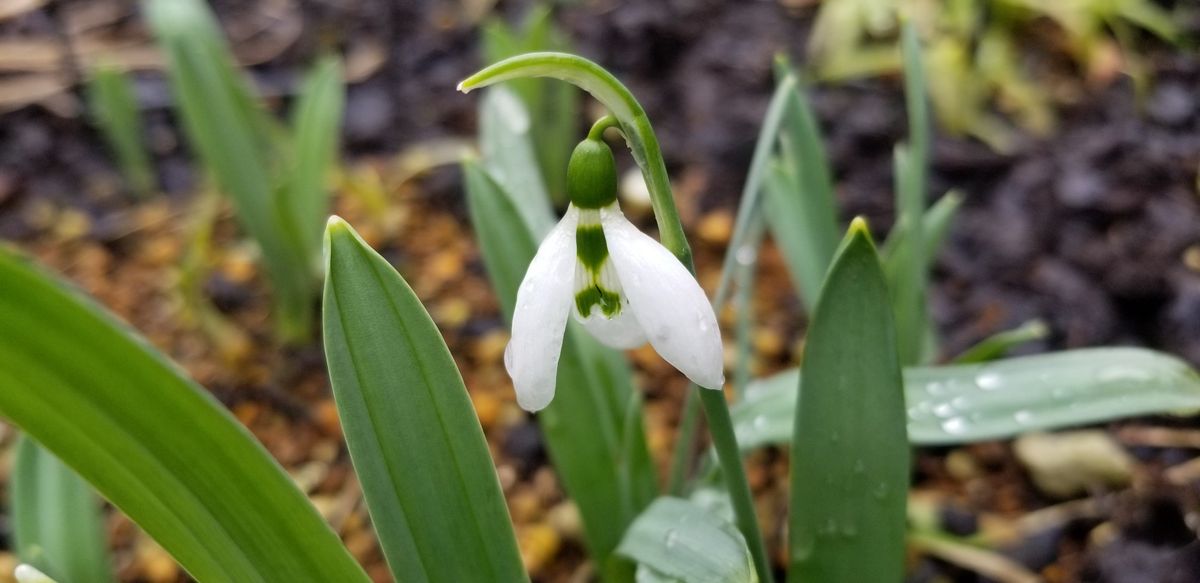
716 409
643 144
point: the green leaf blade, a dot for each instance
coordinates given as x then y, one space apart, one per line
849 449
316 125
159 447
57 522
507 147
416 444
235 139
114 108
680 541
1048 391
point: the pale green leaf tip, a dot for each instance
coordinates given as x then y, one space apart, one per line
859 228
336 224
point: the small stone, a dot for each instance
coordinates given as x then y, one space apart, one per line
1191 258
961 465
1067 464
957 520
487 407
490 348
326 416
524 444
452 313
156 565
539 543
716 227
445 265
769 342
72 225
566 520
1171 104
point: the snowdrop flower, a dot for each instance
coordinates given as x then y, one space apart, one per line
27 574
621 284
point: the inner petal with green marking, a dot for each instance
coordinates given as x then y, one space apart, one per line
596 285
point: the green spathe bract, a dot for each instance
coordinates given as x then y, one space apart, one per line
413 436
849 471
154 443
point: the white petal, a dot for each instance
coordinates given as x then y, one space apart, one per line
544 302
666 300
27 574
622 331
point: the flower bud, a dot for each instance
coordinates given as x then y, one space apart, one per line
592 175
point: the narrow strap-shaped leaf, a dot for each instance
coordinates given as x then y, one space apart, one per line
234 138
977 402
602 459
114 108
750 209
676 540
849 449
414 439
911 170
57 522
316 124
789 222
997 344
813 213
154 443
506 142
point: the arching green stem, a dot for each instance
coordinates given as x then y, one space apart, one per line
602 124
643 144
629 113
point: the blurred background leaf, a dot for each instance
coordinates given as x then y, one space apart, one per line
57 523
555 117
115 110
